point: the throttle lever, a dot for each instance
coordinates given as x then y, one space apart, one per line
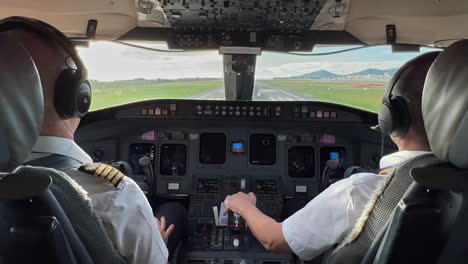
145 164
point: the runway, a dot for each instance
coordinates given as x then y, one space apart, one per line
262 92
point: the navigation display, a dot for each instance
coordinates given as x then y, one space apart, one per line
173 159
262 149
212 148
266 187
301 161
207 186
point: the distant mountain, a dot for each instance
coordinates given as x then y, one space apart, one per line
323 74
389 72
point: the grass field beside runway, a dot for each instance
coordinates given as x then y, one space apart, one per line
364 99
106 94
361 94
325 84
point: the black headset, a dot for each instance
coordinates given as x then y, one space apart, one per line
72 93
394 117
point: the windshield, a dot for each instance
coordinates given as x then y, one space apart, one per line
120 74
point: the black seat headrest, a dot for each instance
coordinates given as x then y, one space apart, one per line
21 102
445 105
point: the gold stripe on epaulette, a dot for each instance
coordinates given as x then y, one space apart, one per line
111 174
106 171
117 179
99 170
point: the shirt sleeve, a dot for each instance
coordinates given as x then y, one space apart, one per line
330 216
129 221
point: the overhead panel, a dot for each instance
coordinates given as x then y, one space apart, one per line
257 15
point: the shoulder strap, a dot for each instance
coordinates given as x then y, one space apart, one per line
55 161
107 172
78 208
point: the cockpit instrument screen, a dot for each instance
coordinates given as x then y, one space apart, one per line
173 159
301 161
333 153
212 148
262 149
149 135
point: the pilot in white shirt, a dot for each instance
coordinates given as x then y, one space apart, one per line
324 221
332 214
125 212
335 211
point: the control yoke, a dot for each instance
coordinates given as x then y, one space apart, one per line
145 164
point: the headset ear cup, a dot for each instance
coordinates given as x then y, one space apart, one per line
386 119
83 98
401 116
72 95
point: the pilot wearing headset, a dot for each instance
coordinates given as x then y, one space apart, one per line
330 216
122 207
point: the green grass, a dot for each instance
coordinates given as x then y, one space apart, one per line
363 94
365 99
106 94
360 94
305 83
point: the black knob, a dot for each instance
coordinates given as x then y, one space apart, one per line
99 153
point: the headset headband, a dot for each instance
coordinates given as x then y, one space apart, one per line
48 31
388 93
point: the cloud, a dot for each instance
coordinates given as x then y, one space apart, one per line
111 61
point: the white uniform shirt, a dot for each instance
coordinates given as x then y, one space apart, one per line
126 214
331 215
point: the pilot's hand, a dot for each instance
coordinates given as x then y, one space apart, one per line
238 201
165 233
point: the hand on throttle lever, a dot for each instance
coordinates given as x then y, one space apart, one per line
239 201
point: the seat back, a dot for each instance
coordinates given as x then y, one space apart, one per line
354 247
88 232
29 232
419 226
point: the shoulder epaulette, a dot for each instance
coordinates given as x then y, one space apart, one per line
111 174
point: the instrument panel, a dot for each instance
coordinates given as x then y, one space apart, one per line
201 151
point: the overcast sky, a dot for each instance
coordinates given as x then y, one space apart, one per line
111 61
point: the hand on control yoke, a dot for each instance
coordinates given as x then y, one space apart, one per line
165 233
239 201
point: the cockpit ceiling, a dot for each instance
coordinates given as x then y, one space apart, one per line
425 22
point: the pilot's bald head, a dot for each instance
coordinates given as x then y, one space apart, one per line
50 59
410 84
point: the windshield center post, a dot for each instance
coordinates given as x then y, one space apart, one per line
239 71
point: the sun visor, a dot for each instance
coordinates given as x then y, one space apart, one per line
21 101
445 105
